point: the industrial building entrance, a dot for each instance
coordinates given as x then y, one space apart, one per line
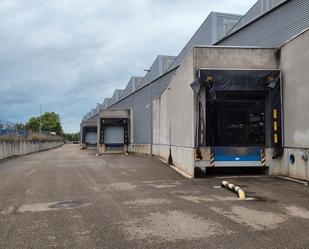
239 116
236 124
114 135
90 136
114 128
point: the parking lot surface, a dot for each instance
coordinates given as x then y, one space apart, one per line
67 198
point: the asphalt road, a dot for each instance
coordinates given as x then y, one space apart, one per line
67 198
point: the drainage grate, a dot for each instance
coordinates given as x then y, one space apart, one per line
65 204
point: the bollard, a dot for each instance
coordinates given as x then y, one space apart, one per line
236 189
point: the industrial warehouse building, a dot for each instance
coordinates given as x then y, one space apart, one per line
235 96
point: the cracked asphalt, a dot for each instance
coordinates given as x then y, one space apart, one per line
67 198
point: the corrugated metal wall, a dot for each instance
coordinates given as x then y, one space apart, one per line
115 97
224 23
275 28
140 102
212 29
159 66
131 86
258 9
202 36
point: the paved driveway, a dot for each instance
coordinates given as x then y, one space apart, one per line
67 198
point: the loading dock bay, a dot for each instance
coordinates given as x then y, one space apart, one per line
239 116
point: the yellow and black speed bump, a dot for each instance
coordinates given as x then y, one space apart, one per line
236 189
263 158
212 159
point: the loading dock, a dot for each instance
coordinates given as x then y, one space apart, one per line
114 134
239 116
88 134
114 125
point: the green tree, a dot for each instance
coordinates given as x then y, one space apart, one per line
68 136
50 122
71 136
33 124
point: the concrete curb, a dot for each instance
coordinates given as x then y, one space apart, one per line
236 189
304 182
184 174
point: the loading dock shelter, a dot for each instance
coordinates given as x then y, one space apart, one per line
89 133
217 97
113 130
238 115
90 136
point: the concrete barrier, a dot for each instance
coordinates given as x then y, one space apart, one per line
10 148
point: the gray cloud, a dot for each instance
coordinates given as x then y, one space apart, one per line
70 54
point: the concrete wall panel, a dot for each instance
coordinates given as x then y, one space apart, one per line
294 65
140 104
176 119
22 147
230 58
156 121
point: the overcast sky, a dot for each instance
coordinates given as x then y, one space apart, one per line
69 55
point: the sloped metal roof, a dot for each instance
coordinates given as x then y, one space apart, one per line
158 68
131 86
215 26
260 8
273 28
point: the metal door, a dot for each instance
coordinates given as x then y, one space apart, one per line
91 137
114 135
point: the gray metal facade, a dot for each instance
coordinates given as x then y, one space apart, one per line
105 103
131 86
257 10
140 103
280 21
116 96
212 29
273 29
158 68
